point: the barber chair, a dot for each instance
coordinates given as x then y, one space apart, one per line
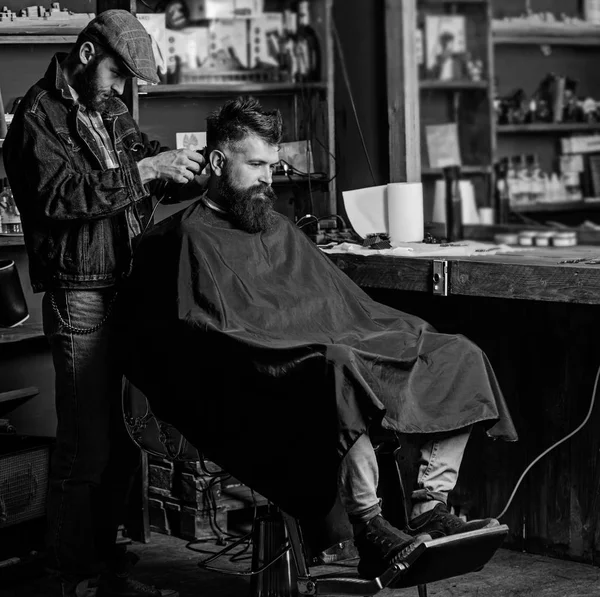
280 566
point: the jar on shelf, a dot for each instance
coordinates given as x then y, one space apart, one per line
591 11
564 239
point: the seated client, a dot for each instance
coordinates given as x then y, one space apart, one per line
275 365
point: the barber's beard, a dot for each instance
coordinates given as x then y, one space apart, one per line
86 85
250 209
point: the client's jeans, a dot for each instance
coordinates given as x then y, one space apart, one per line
439 464
94 460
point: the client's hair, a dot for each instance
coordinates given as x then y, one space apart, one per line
241 117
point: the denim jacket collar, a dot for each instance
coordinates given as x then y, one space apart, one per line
55 77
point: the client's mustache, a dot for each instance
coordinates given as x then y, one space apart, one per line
263 188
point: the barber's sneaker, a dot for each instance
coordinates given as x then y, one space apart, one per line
123 586
380 546
438 522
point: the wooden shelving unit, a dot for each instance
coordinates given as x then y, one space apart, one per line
307 109
25 331
464 101
464 170
11 240
457 85
198 89
549 127
557 206
37 39
451 2
569 35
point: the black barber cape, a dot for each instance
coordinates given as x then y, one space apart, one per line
272 362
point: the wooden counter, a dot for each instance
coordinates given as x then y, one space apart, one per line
538 322
536 274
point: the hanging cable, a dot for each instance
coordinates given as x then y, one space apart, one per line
338 46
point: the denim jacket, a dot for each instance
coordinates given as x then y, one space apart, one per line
73 211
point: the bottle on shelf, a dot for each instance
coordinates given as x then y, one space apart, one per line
10 218
537 180
453 203
502 197
288 59
572 186
518 185
512 181
524 180
308 51
555 189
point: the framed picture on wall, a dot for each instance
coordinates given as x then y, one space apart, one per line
446 48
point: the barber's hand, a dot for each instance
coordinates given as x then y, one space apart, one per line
177 165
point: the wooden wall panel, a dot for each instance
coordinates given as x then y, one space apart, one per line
545 356
361 28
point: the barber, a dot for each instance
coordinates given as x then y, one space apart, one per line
83 177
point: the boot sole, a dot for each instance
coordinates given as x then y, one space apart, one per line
406 555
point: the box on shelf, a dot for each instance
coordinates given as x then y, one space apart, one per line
298 155
581 144
231 36
193 141
199 10
189 46
264 38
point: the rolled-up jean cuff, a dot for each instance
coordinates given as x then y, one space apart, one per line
424 495
365 515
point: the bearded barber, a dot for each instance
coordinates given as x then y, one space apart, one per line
83 177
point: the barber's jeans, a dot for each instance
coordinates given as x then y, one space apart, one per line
439 465
94 460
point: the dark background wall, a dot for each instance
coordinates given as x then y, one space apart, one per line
361 28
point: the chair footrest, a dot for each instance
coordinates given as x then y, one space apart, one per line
435 560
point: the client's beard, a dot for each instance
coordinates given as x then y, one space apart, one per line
86 85
250 209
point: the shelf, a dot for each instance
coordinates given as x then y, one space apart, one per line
37 39
452 85
20 394
484 2
557 206
11 240
553 34
467 170
26 331
183 89
282 179
547 127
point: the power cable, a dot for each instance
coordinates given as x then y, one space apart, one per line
555 445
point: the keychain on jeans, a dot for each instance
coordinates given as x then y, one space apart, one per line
77 330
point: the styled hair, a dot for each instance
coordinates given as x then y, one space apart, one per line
240 117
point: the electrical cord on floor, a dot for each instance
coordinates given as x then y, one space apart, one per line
555 445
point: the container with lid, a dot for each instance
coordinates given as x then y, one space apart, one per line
526 238
564 239
543 238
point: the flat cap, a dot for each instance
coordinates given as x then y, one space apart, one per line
122 32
